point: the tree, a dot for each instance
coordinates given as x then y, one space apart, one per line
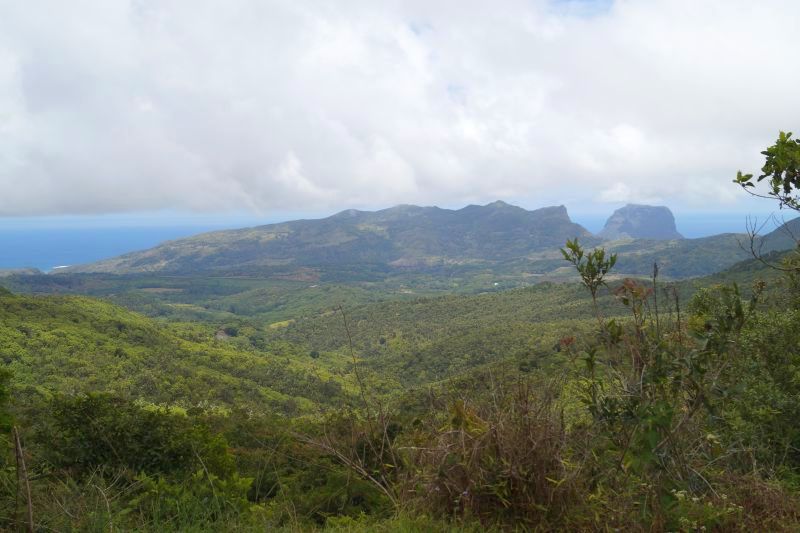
5 417
592 266
781 170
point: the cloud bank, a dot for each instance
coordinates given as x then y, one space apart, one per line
275 105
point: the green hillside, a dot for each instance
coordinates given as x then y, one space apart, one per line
77 345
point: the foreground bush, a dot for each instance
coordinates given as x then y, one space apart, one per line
502 461
97 430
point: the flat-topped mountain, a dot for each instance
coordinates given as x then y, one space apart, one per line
641 222
400 237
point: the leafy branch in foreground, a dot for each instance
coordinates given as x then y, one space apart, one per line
782 169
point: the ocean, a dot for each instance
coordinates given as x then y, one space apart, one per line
46 248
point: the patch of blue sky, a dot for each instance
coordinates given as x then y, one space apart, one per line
420 28
581 8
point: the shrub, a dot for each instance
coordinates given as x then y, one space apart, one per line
99 430
499 460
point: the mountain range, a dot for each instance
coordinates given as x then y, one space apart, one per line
498 236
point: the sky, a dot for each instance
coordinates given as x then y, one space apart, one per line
266 109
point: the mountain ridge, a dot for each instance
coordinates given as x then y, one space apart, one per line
400 236
368 245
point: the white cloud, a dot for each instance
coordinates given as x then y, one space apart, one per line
112 105
617 193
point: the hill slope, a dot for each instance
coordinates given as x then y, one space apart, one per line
399 237
75 344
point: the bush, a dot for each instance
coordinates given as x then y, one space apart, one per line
503 459
99 430
200 502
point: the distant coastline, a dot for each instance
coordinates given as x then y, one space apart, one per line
51 249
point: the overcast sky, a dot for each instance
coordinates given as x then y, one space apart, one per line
270 106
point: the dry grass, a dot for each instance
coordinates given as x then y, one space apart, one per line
501 459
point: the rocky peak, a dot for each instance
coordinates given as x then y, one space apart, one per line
641 222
